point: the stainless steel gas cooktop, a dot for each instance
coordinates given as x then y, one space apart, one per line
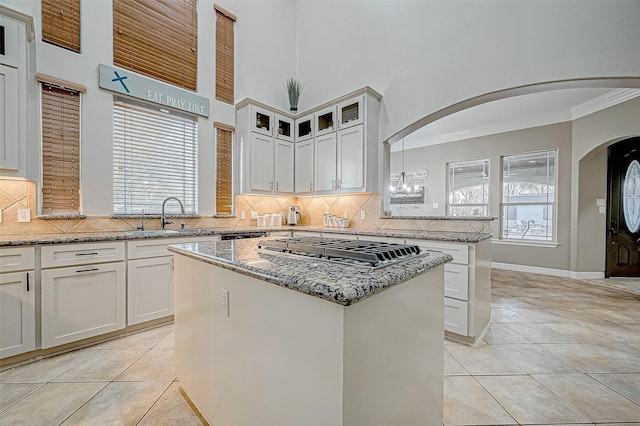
371 254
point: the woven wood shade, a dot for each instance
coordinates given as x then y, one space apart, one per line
60 150
224 56
224 175
61 23
157 38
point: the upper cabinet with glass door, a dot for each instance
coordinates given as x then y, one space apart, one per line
284 129
326 121
304 127
351 112
262 120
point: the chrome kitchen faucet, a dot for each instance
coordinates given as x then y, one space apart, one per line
163 220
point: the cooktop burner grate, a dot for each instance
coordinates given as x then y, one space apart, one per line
357 252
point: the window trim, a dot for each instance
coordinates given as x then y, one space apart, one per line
554 204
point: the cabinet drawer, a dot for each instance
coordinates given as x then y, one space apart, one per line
460 252
455 316
143 249
17 259
456 281
81 254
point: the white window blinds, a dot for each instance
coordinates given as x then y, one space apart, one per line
154 157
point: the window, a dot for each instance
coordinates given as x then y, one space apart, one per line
154 157
60 146
224 168
469 188
224 55
61 23
529 196
157 38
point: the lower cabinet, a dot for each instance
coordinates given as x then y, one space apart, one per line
17 313
17 301
82 301
150 289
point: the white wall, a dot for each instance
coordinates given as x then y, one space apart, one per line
493 147
423 56
262 29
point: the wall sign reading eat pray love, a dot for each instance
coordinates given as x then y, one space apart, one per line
147 89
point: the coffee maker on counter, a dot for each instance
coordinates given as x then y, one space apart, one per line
293 215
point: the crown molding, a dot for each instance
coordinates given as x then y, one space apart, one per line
601 102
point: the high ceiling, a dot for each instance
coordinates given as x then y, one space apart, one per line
516 113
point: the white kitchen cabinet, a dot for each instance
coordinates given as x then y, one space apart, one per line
266 150
150 289
351 112
467 282
9 123
150 277
283 167
83 291
325 120
325 162
261 167
304 167
284 128
17 301
82 301
346 150
350 158
304 127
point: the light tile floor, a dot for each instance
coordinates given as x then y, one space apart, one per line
559 351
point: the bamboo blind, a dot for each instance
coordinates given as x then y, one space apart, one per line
157 38
61 23
224 55
60 150
224 168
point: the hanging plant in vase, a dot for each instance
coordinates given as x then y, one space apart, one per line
294 88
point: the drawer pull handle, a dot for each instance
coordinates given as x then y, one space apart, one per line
86 254
27 281
88 270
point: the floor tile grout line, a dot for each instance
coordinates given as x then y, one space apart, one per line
156 401
616 391
24 397
85 403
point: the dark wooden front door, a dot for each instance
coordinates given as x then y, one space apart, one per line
623 209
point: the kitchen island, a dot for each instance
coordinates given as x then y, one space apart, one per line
269 339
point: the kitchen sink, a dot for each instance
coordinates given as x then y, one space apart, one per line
159 232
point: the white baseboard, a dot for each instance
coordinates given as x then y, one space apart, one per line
548 271
587 275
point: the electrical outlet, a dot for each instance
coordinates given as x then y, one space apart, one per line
254 215
24 215
363 215
242 215
224 300
0 216
345 214
435 205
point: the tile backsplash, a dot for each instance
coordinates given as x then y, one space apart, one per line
20 194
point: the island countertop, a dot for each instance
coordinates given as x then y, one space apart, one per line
337 283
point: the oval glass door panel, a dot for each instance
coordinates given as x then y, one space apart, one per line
631 197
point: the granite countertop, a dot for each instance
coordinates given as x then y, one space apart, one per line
337 283
9 240
465 218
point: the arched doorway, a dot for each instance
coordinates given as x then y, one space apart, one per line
623 209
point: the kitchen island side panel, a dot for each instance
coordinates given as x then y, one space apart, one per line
394 349
275 360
